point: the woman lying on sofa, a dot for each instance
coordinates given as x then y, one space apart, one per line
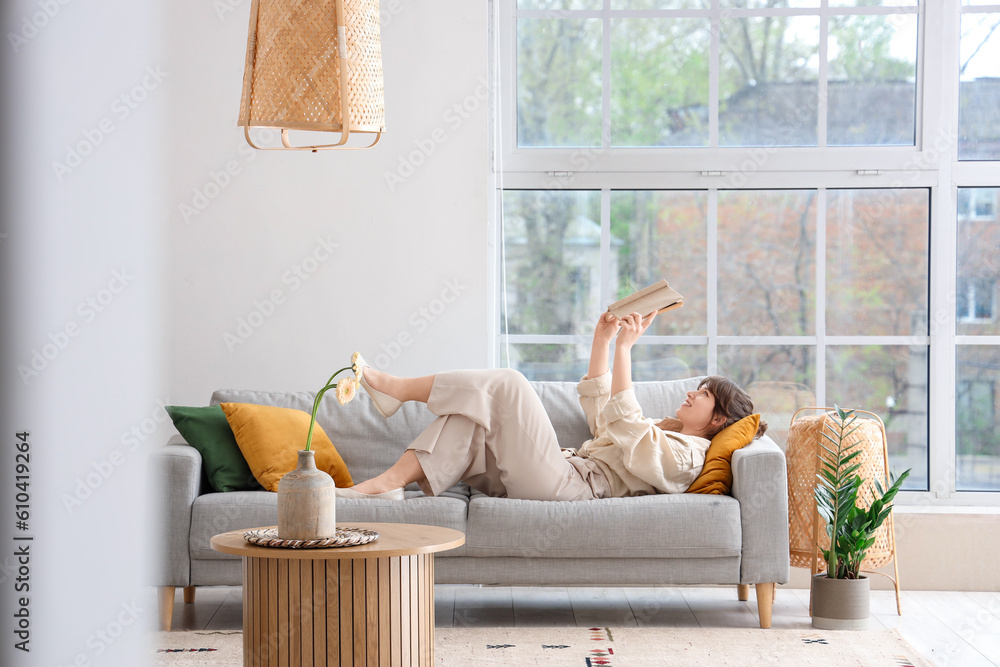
492 432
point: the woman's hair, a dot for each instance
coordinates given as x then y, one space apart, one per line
731 402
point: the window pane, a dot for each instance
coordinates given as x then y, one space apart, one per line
872 80
978 261
662 235
768 81
668 362
979 88
559 4
558 82
876 262
552 261
562 363
657 4
891 381
873 3
568 363
779 378
767 248
762 4
659 82
977 406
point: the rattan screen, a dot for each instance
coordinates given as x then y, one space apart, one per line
801 456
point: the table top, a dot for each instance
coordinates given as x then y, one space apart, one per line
394 539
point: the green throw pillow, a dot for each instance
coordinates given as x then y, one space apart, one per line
208 431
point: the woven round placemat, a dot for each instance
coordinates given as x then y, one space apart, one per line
345 537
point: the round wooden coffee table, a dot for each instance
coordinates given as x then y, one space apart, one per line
366 605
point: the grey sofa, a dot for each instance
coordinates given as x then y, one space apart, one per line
641 541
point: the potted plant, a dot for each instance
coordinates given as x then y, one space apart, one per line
840 596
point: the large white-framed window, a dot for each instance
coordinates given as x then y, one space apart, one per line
977 343
811 174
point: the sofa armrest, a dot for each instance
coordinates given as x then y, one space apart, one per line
761 486
175 471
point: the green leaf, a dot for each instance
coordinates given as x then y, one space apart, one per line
849 433
848 457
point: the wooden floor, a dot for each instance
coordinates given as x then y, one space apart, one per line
949 628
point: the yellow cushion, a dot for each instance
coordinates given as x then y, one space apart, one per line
717 475
270 437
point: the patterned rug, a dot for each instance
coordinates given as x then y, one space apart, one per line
604 647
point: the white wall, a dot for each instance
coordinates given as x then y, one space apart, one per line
92 402
937 551
400 245
81 258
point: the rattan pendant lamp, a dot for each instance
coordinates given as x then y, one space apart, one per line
314 65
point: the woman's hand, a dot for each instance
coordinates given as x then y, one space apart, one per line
632 326
607 327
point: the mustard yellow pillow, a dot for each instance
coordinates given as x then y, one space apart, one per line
270 437
717 475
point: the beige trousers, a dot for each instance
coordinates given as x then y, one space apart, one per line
492 432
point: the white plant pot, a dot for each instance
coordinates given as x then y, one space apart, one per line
840 604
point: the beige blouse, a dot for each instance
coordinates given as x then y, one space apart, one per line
636 455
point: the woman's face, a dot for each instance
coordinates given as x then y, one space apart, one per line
697 412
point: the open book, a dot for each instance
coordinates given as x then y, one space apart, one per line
657 297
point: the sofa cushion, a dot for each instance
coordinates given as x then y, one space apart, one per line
447 511
657 526
215 513
206 429
368 443
271 437
717 473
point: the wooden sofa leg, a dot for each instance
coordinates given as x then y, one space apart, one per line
189 595
743 592
765 602
166 597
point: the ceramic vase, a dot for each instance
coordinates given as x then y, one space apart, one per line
307 502
840 604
